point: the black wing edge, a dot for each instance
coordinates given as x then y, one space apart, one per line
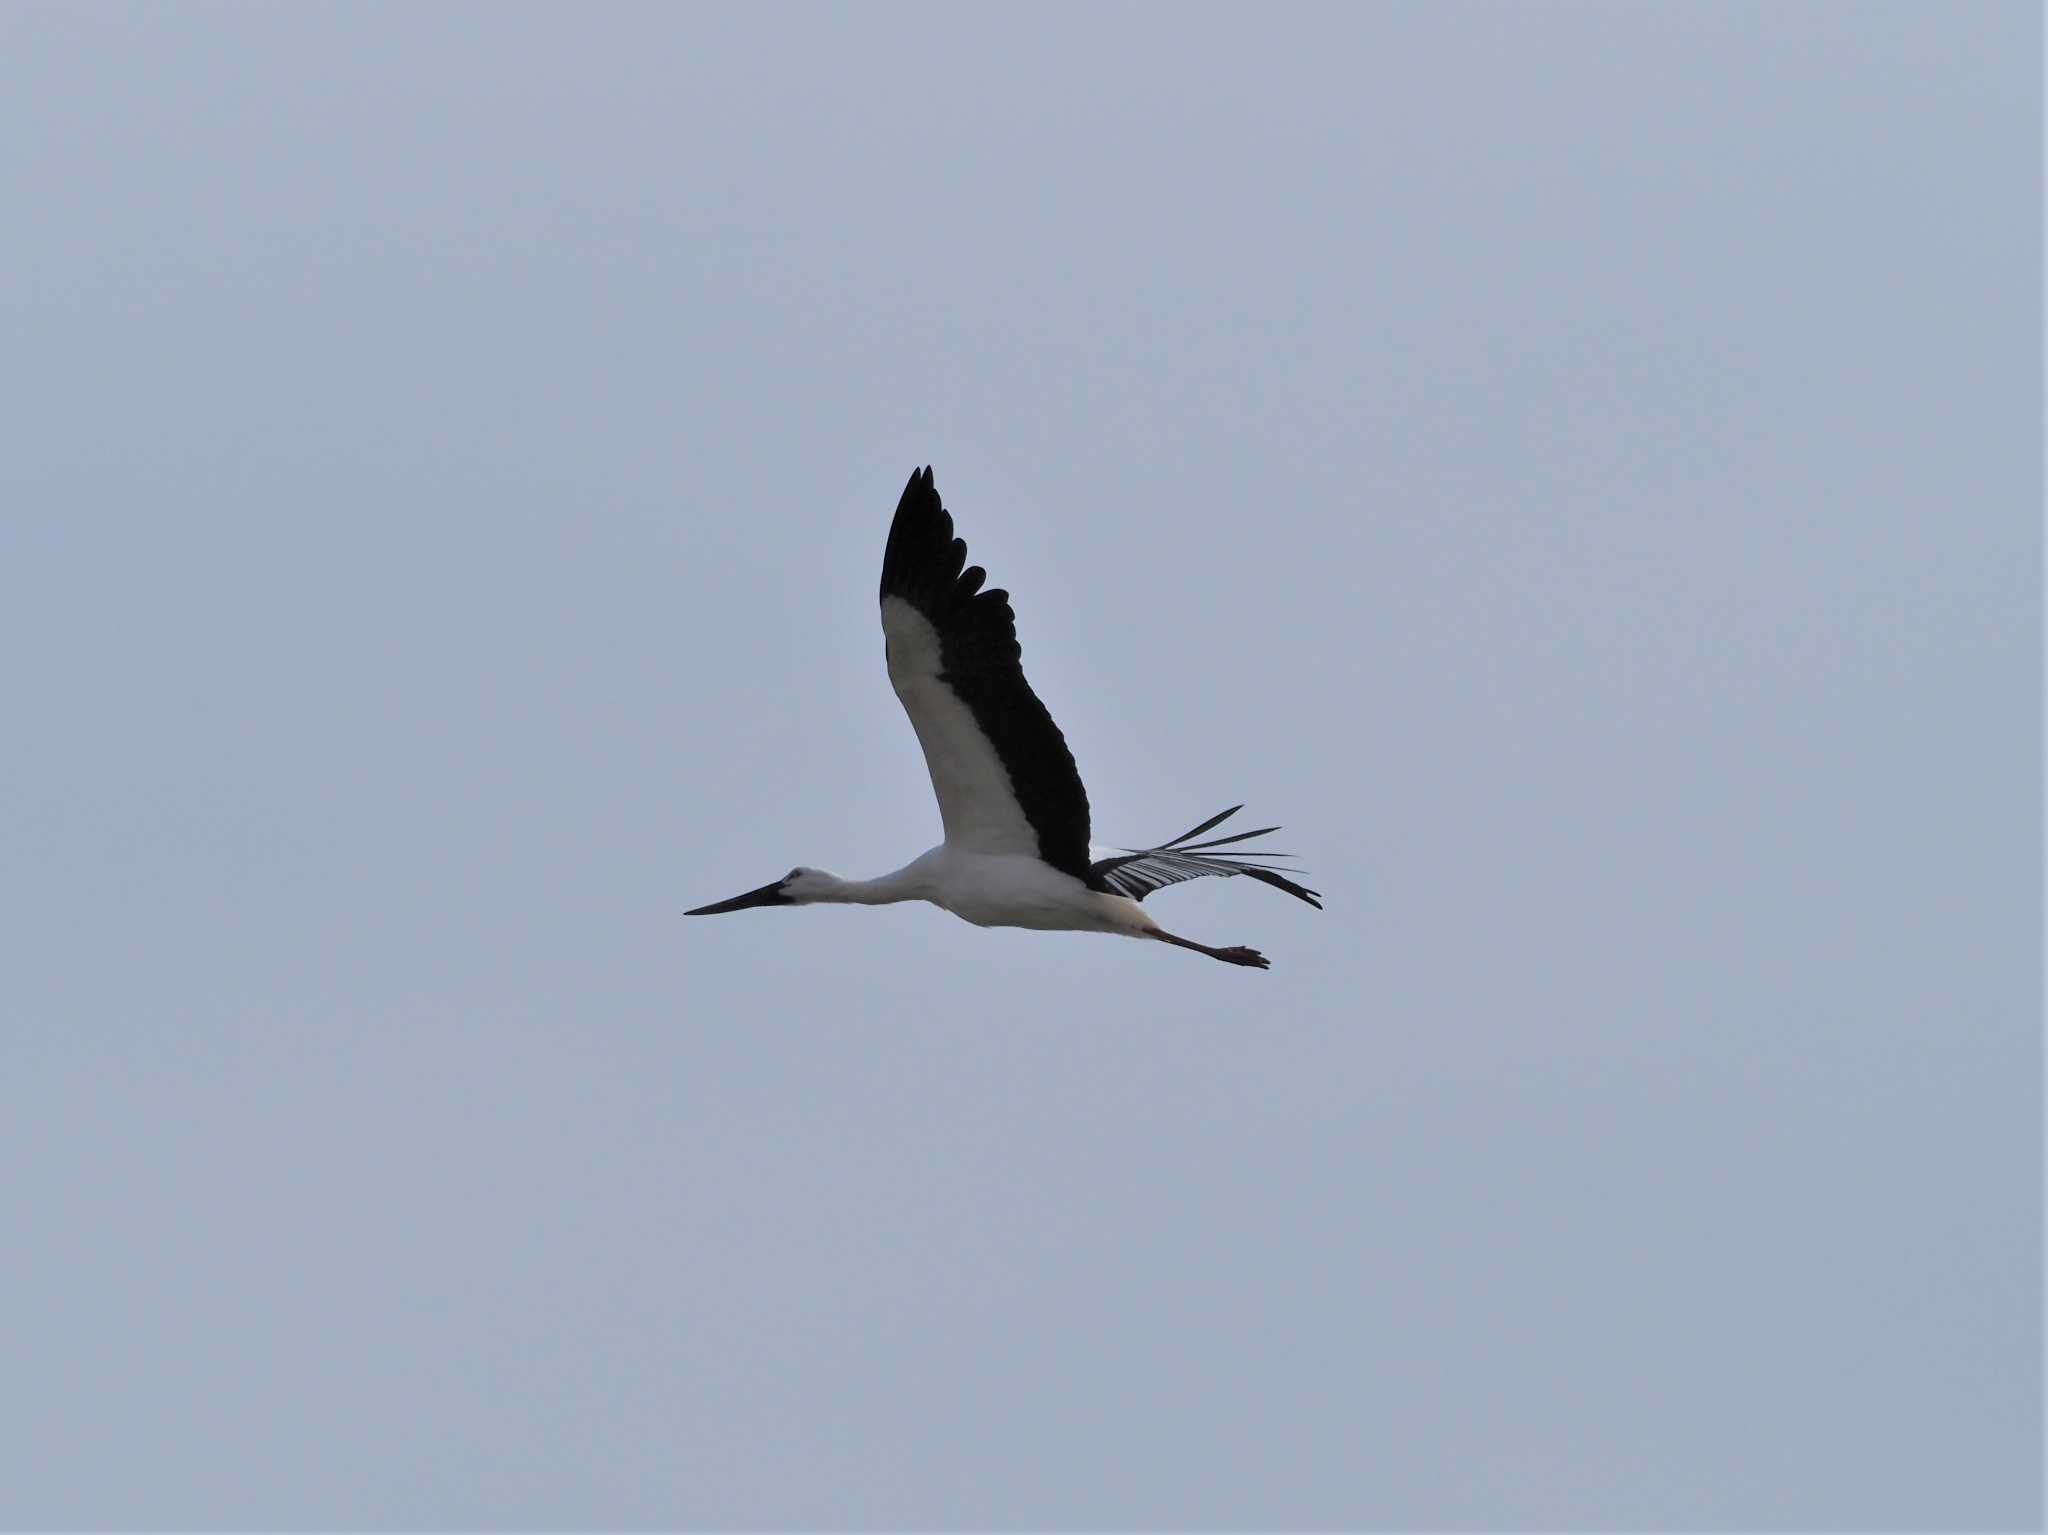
981 661
923 564
1184 859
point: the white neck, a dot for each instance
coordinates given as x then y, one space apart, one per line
885 891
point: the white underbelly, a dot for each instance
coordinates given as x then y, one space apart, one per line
997 890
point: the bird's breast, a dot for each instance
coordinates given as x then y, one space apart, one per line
1001 890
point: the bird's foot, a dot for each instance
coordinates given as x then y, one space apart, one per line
1243 956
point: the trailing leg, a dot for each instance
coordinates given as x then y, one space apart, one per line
1232 956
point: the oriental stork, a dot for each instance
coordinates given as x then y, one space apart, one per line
1016 852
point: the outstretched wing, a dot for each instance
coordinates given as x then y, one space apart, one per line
1004 778
1137 873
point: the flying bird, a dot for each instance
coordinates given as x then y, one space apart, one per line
1016 850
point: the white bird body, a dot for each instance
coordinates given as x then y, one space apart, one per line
987 889
1015 813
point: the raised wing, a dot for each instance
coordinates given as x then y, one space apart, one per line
1004 778
1138 872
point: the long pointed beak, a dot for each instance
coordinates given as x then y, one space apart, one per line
767 895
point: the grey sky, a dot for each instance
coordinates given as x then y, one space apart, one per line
1577 466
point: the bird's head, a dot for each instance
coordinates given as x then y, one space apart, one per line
799 886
